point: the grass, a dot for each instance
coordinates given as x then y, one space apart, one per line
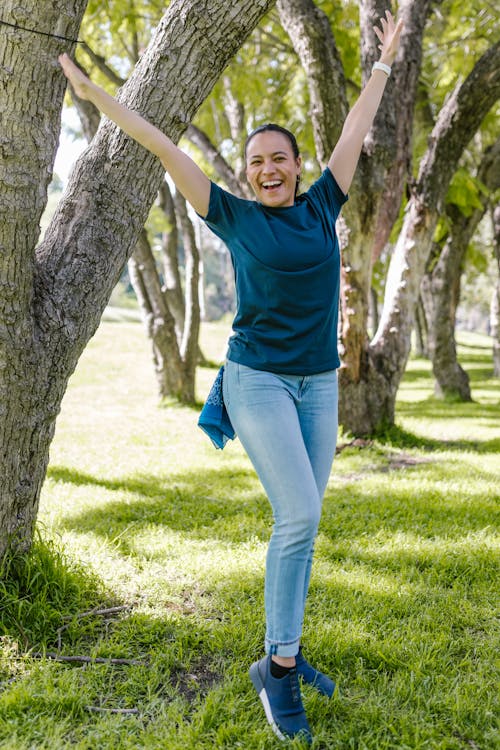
141 515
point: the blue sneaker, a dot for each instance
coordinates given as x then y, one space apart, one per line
281 700
311 676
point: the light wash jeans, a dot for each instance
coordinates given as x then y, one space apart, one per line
288 427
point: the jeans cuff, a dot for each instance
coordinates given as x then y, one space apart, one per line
277 648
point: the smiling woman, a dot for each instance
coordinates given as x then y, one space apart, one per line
273 165
280 379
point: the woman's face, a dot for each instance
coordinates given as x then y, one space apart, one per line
272 169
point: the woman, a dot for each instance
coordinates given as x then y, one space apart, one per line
280 379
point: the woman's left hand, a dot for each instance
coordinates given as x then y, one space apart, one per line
389 36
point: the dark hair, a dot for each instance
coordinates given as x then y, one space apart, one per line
276 129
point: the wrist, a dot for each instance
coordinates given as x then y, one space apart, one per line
383 67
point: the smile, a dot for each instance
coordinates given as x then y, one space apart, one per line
270 184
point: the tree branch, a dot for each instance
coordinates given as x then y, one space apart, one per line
312 38
457 122
102 65
215 158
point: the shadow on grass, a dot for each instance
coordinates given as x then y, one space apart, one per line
227 504
230 507
390 588
54 609
42 587
412 375
470 355
398 437
476 346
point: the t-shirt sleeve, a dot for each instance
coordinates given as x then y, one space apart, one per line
224 212
327 193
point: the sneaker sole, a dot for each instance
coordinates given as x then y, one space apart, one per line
261 692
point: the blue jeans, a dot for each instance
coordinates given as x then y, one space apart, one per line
287 424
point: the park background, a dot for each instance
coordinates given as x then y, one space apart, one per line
132 620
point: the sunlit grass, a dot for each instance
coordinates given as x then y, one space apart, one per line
140 511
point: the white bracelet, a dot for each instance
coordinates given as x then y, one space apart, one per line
383 67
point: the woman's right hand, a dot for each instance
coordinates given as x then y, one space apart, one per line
388 36
78 80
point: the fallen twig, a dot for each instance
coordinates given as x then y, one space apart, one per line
87 659
113 710
81 615
106 611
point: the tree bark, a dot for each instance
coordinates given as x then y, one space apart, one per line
32 95
189 349
51 301
458 120
442 278
172 286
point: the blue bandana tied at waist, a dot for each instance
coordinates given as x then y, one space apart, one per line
214 419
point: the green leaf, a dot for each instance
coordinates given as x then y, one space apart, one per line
464 192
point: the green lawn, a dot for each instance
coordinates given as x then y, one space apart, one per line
139 512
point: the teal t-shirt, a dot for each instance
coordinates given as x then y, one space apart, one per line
287 271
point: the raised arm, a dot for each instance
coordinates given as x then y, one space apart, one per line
187 176
345 156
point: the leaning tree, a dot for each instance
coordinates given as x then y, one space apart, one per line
372 369
52 296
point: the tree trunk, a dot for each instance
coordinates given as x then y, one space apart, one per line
159 322
51 302
495 299
441 281
377 190
406 73
235 113
310 33
421 333
189 345
32 96
172 285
